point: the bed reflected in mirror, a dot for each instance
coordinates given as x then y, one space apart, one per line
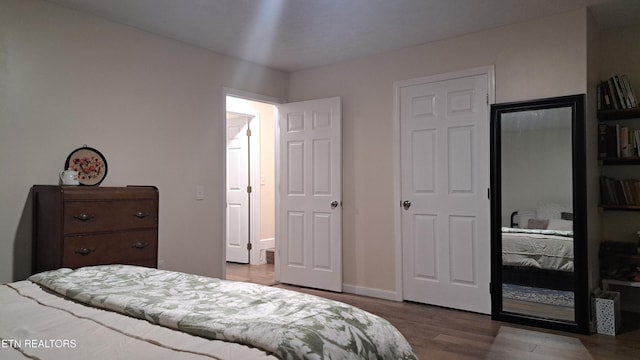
537 205
537 213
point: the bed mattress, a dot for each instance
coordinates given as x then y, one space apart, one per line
35 323
543 249
123 311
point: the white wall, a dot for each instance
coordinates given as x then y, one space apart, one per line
152 106
536 59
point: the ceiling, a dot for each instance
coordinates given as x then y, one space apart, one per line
291 35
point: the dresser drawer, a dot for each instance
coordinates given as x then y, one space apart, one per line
131 247
95 216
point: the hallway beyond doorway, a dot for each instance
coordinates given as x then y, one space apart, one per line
263 274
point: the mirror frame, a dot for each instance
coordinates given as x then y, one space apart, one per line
580 245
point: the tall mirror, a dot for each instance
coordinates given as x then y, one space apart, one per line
539 245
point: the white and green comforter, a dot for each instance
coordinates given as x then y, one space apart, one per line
288 324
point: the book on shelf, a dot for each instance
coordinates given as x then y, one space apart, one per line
616 141
602 141
615 192
623 139
616 93
618 247
627 85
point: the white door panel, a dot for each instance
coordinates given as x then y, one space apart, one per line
309 245
444 137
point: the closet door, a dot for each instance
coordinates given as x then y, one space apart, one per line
444 133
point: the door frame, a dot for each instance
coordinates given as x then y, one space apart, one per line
255 179
489 70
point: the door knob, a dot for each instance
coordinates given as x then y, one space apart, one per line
334 204
406 204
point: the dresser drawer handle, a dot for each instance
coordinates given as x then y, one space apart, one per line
83 217
140 245
84 251
141 215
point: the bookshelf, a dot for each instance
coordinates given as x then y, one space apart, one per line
621 207
619 264
634 160
616 94
619 53
620 114
618 144
608 282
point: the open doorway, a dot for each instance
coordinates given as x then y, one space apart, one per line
250 187
307 201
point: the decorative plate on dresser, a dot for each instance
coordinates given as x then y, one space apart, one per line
80 226
90 164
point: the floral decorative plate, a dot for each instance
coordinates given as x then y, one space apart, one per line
89 163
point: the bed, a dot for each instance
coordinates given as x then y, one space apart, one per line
537 249
126 312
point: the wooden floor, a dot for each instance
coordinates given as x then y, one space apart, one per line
539 310
440 333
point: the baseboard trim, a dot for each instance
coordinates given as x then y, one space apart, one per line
372 292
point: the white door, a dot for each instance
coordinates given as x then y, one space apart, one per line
444 137
309 220
237 189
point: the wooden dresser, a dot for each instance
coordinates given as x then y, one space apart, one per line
75 226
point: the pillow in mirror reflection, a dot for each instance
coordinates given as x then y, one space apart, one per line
524 216
550 210
559 224
541 224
